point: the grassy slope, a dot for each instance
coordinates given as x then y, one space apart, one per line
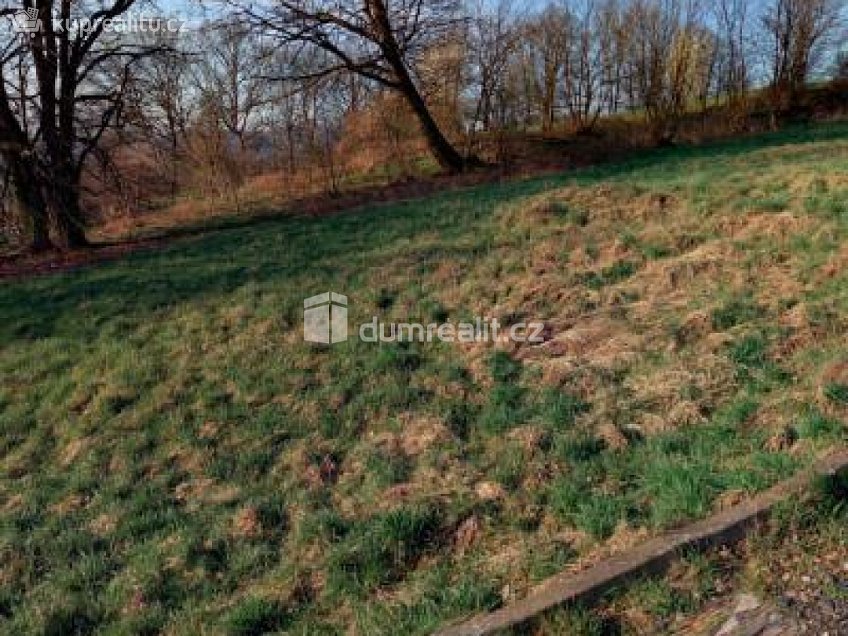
174 458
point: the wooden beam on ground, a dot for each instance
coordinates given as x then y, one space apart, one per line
652 557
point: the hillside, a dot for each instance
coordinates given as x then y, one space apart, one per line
176 459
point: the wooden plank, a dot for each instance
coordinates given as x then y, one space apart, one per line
652 557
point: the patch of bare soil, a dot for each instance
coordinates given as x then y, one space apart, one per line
34 264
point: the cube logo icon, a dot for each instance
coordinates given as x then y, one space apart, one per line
325 318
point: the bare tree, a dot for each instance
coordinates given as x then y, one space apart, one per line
549 37
232 72
583 67
62 90
493 39
165 108
731 18
443 76
613 42
670 61
795 30
289 119
377 39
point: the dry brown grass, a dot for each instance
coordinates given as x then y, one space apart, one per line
655 326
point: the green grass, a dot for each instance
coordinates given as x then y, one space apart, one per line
701 588
837 393
174 458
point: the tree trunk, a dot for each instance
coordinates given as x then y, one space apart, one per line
290 144
447 156
548 98
71 233
30 198
67 217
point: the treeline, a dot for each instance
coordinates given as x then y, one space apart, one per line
95 123
665 58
